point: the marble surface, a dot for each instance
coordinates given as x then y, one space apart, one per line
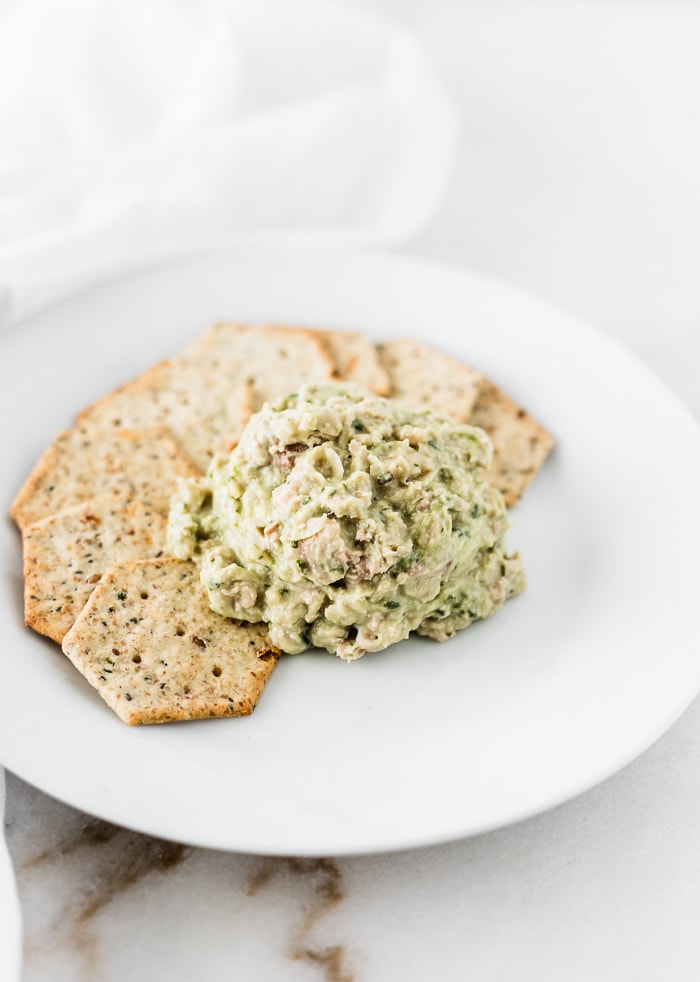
576 179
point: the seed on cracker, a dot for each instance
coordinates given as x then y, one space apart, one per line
520 443
149 643
275 361
87 461
204 410
66 554
425 378
356 360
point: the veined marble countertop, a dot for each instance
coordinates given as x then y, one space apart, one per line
576 179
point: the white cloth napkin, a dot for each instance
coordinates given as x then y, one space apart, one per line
132 131
137 130
10 923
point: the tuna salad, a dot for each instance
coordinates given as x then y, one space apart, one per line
345 521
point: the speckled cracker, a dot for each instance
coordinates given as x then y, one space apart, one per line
520 443
155 651
275 361
205 411
87 461
425 378
66 554
356 360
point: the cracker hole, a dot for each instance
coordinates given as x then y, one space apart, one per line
180 631
136 659
216 671
143 595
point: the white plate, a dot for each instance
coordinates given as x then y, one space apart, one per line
425 742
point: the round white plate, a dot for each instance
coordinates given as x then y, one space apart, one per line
425 742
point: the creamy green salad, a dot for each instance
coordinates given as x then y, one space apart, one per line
345 521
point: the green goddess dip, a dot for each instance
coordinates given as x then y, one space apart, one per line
346 521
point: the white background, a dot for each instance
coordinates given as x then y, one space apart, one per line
577 171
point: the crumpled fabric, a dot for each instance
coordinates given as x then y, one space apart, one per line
10 920
133 131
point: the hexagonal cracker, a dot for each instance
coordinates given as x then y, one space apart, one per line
356 360
427 379
66 554
89 460
520 444
148 641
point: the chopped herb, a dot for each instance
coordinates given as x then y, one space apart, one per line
121 595
392 604
385 478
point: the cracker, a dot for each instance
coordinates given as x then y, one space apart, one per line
520 443
425 378
155 651
356 360
204 410
88 461
275 361
66 554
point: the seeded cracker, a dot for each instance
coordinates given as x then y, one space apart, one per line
426 379
275 361
204 411
66 554
87 461
356 360
520 443
154 650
